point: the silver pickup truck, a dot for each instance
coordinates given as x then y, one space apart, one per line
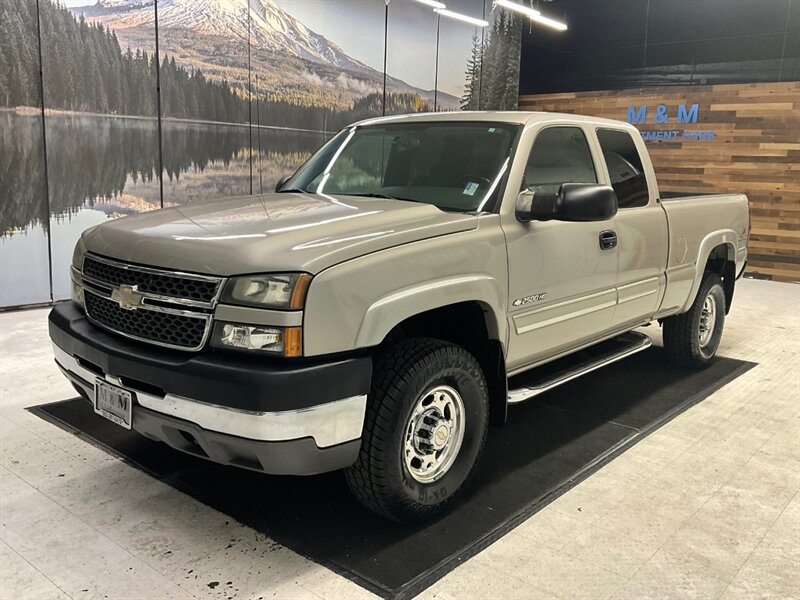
394 296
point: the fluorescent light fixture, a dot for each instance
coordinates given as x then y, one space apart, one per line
550 22
459 17
532 14
433 3
525 10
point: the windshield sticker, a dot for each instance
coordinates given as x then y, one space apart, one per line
471 188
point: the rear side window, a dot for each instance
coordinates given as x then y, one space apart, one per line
624 167
559 155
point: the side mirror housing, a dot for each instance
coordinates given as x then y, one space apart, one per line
281 182
576 202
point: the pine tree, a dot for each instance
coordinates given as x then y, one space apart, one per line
513 41
4 73
491 65
471 98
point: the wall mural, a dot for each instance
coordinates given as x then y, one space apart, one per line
24 245
249 89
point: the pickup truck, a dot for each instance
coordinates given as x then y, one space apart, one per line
394 296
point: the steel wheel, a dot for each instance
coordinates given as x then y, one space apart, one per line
708 320
434 434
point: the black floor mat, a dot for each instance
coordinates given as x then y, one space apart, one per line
548 445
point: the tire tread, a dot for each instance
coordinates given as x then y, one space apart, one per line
680 338
369 478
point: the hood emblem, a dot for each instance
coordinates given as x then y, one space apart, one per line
127 296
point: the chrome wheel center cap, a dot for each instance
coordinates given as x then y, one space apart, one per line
440 437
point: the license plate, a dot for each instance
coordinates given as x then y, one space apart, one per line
114 403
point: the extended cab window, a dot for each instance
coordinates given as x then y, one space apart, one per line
624 167
559 155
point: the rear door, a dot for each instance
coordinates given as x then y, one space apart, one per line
641 226
561 282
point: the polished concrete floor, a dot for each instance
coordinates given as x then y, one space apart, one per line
706 507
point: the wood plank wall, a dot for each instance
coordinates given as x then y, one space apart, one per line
756 150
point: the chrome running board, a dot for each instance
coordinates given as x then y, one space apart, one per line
600 355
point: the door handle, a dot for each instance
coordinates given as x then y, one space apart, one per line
608 239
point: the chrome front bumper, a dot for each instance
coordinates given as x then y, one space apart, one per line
304 441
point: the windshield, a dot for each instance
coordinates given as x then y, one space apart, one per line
455 165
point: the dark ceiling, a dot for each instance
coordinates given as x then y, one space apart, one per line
614 44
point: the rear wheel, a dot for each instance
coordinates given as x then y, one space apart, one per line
692 339
424 430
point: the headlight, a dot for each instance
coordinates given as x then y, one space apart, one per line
279 290
286 341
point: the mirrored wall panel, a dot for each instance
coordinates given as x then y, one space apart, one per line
24 266
101 122
151 104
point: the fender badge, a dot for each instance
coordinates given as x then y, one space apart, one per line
529 299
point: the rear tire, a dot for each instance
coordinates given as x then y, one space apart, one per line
691 339
424 430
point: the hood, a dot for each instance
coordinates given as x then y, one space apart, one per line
270 233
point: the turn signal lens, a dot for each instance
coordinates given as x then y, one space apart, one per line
298 298
293 341
77 294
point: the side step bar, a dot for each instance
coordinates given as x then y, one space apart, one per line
532 383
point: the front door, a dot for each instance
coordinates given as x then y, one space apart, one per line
562 283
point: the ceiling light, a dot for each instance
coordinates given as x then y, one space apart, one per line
433 3
530 12
458 16
550 22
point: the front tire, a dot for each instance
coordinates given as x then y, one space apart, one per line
691 339
424 430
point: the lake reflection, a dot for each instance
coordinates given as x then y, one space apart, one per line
106 167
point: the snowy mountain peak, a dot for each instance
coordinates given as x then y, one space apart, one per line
274 34
271 28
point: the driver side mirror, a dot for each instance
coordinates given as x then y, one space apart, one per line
281 182
576 202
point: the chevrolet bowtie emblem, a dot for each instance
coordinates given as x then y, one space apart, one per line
127 296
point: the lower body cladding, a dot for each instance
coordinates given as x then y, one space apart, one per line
286 419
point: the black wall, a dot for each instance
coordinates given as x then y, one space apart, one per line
617 44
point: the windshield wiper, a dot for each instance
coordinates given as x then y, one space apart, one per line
373 195
382 195
287 190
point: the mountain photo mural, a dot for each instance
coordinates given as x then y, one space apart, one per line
248 90
298 69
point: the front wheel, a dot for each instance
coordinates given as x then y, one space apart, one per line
424 430
692 339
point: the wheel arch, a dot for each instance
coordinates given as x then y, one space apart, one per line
480 338
718 255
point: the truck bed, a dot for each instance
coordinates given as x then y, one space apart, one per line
697 223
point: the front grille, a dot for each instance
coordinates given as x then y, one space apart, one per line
182 286
168 329
162 307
